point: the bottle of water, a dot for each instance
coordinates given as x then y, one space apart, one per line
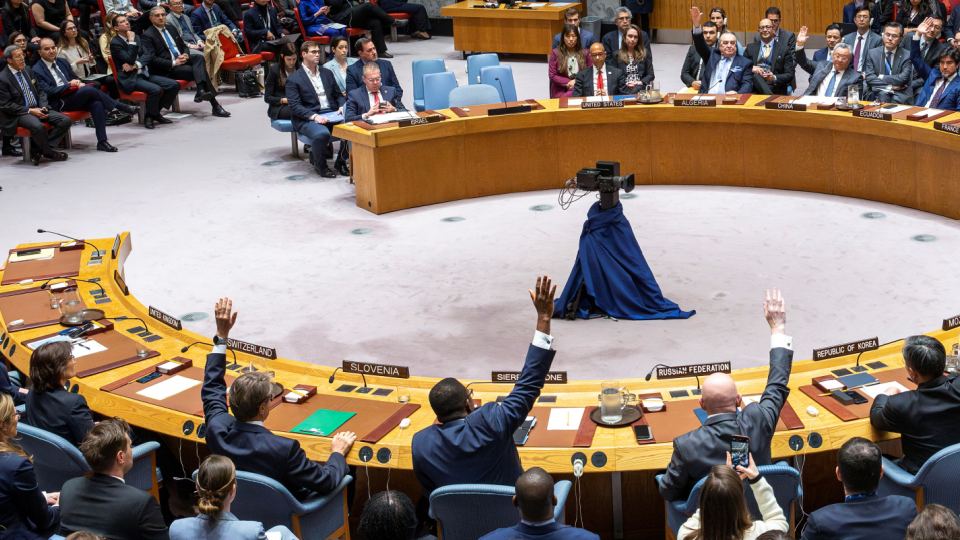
96 29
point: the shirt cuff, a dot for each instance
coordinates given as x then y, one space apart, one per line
697 30
219 349
778 341
799 47
542 340
916 36
314 118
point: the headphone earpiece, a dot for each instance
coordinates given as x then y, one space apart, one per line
724 22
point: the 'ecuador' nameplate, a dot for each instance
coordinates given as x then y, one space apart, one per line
168 320
855 347
250 348
695 370
601 104
951 323
948 128
419 121
875 115
381 370
695 103
785 106
553 377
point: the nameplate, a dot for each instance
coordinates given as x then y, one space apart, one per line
168 320
951 323
116 247
250 348
695 370
695 103
419 121
380 370
855 347
553 377
948 128
121 283
875 115
785 106
601 104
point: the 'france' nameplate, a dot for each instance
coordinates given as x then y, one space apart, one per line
601 104
250 348
381 370
875 115
553 377
785 106
948 128
168 320
855 347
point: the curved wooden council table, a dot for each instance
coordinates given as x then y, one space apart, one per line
899 162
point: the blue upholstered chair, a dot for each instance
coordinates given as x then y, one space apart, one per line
436 90
477 62
286 126
469 511
475 94
784 480
55 460
421 68
937 481
489 75
263 499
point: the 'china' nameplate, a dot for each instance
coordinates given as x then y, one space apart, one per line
381 370
695 370
785 106
855 347
250 348
168 320
553 377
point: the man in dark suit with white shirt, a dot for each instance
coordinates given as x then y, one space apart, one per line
725 72
833 37
612 41
693 64
779 34
695 453
134 76
23 105
367 52
313 96
774 61
863 40
572 17
833 78
889 67
371 99
600 80
242 437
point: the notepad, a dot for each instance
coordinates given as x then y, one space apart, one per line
323 422
895 110
386 118
170 387
832 384
565 419
876 389
44 254
86 348
574 102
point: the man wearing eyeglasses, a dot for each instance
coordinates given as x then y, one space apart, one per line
613 40
313 96
888 70
179 18
725 71
773 61
600 80
863 40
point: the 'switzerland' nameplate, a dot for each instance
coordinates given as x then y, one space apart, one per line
419 121
601 104
951 323
381 370
168 320
250 348
785 106
695 370
855 347
948 128
553 377
695 103
875 115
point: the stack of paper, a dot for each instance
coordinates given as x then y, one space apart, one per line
386 118
44 254
170 387
565 418
894 110
85 348
875 390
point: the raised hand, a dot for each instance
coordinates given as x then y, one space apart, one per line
542 297
225 320
695 16
802 36
775 311
925 25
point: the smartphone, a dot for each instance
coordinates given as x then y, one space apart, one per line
643 433
28 252
740 451
383 105
857 398
891 106
523 432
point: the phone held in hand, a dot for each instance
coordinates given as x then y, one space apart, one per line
740 451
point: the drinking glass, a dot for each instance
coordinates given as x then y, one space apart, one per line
613 399
142 350
403 394
853 95
654 90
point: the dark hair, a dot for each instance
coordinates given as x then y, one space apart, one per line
723 507
307 45
447 398
116 21
708 24
47 364
860 463
82 43
833 26
22 13
215 479
953 53
13 37
288 49
722 12
388 515
775 535
639 52
534 491
895 25
250 390
772 10
934 522
864 7
570 11
563 52
361 43
105 440
925 354
337 40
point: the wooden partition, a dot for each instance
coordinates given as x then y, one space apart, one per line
744 15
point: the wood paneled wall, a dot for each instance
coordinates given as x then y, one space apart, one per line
745 15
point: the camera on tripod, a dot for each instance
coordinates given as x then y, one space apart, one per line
606 179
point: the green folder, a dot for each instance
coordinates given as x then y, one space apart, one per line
323 422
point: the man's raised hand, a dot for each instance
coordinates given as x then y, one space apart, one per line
775 311
225 320
542 298
695 16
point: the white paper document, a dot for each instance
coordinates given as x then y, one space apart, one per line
594 99
44 254
85 348
35 344
274 535
574 102
386 118
537 5
875 390
565 419
927 112
894 110
810 100
170 387
561 4
750 399
832 384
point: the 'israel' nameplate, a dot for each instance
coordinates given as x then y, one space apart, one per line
785 106
951 323
601 104
380 370
948 128
250 348
419 121
553 377
168 320
695 370
855 347
875 115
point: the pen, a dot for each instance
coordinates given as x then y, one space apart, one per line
84 346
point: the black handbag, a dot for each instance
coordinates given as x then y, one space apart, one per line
247 84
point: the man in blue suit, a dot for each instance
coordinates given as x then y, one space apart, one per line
242 437
313 95
725 71
833 78
367 52
942 88
833 37
863 515
370 99
536 502
475 446
208 15
572 17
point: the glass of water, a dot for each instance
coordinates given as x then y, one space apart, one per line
403 394
142 350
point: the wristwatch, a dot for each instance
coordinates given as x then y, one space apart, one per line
218 341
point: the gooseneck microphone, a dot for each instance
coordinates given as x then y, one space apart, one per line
97 255
506 109
654 368
187 348
334 374
46 283
503 95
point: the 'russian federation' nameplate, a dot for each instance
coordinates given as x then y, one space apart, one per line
785 106
419 121
553 377
695 103
948 128
855 347
875 115
951 323
601 104
250 348
695 370
380 370
168 320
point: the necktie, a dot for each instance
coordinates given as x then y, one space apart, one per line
856 54
766 53
889 65
169 40
935 100
599 81
376 99
719 83
27 94
60 74
833 82
923 47
213 18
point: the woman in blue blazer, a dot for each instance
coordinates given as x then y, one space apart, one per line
25 511
217 487
313 15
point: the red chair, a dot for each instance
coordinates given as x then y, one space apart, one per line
397 16
319 40
232 59
893 16
266 55
137 97
24 134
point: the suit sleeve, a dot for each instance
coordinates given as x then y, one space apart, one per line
746 79
353 80
151 522
195 21
870 72
30 500
675 479
146 5
10 101
686 72
884 415
702 48
811 531
81 421
789 68
578 85
622 83
252 27
903 78
648 75
48 88
922 69
19 398
352 110
311 475
223 18
776 392
150 58
803 62
213 393
270 87
608 44
515 408
392 81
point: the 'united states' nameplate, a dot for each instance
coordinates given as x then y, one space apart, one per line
601 104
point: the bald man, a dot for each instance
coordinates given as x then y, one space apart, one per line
695 453
602 79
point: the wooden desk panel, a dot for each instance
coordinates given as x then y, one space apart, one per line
519 31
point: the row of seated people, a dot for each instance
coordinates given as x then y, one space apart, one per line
474 445
909 13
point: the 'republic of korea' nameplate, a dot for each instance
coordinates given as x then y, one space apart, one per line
855 347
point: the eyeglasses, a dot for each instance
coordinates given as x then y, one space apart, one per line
374 80
862 17
597 55
766 28
891 36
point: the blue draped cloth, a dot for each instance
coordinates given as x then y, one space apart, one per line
617 278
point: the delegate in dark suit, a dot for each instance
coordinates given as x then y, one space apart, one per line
61 413
586 81
850 77
881 13
253 448
928 419
787 36
479 448
358 102
15 110
880 73
273 93
84 98
24 513
256 27
159 59
586 39
782 62
865 518
201 20
388 77
739 77
868 42
161 91
106 506
805 64
949 98
695 453
550 531
692 66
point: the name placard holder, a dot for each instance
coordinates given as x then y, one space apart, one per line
695 103
168 320
602 104
947 128
515 109
874 115
854 347
785 106
951 323
694 370
116 247
553 377
380 370
419 121
121 283
250 348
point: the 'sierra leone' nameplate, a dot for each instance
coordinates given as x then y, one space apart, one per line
553 377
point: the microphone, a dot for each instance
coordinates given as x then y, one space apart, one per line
881 345
187 348
102 292
330 380
505 109
96 255
647 378
503 95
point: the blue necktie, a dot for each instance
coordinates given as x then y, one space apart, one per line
889 63
833 82
721 78
27 94
169 40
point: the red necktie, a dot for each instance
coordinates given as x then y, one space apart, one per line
376 99
599 80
